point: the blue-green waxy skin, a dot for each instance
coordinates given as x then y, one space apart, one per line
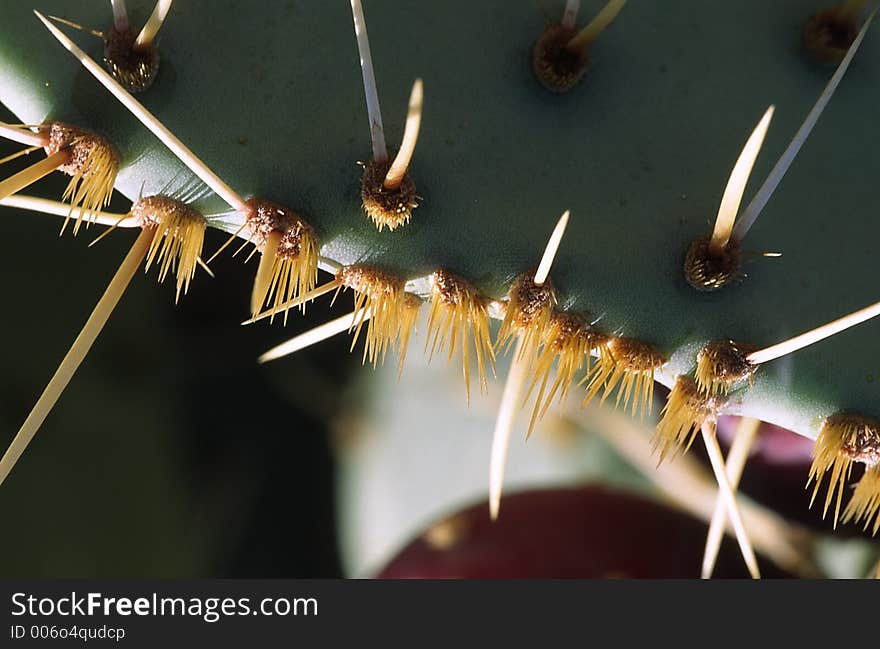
270 97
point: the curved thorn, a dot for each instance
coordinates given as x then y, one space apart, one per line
736 185
153 24
410 137
550 250
516 379
584 38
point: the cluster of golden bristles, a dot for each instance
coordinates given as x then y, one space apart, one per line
722 364
387 207
687 408
627 365
569 342
692 402
844 440
178 237
459 317
527 314
459 320
389 311
288 250
88 158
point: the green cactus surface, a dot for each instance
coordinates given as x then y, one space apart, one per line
270 96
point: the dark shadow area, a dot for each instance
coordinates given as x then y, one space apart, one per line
172 453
